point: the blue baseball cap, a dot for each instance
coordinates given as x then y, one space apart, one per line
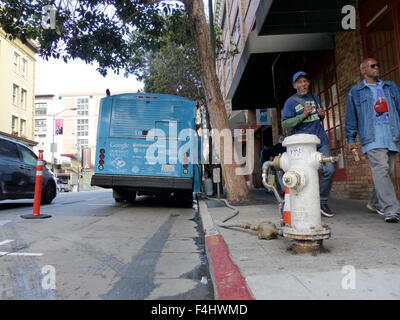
299 74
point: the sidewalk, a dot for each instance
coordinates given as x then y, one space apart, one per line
362 262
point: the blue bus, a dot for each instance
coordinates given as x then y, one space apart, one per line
147 144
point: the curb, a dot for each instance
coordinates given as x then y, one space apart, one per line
229 284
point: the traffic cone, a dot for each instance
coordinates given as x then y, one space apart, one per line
287 220
38 191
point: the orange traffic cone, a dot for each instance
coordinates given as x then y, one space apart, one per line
38 192
287 220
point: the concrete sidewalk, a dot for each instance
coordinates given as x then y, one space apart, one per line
362 262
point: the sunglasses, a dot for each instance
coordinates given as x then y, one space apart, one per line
374 65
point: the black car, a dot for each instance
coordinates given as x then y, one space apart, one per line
18 173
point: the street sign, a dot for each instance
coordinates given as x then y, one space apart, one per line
86 158
53 147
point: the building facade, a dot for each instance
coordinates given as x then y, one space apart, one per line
17 85
64 124
277 38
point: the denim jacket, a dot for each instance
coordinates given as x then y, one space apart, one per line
360 113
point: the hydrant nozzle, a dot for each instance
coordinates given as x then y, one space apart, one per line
330 159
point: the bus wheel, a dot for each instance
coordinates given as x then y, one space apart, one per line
185 197
132 197
118 195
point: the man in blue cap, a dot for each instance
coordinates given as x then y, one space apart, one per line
303 113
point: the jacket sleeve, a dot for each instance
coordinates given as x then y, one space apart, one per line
397 95
351 122
290 119
292 122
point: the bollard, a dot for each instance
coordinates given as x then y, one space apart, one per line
38 191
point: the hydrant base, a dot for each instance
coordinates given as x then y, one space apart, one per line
308 235
307 246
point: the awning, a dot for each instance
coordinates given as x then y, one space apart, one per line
28 142
300 16
70 155
281 27
63 175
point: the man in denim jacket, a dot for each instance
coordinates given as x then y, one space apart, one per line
373 112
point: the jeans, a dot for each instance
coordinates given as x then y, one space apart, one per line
383 195
328 170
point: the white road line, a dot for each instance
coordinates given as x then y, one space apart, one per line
2 243
26 254
2 223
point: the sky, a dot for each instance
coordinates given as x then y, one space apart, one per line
56 76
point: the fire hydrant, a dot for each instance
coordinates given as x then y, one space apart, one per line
300 163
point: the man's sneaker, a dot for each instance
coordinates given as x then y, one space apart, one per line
326 211
372 208
392 217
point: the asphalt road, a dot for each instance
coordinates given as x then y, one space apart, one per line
94 248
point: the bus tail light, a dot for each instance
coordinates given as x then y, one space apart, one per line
101 161
186 162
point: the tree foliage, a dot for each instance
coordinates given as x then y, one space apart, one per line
92 30
172 67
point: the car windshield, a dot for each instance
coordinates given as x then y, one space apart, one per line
62 180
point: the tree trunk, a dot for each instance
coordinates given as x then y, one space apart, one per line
238 191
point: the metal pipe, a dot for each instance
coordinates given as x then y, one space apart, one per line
266 165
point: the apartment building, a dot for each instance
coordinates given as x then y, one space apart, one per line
65 123
17 85
277 38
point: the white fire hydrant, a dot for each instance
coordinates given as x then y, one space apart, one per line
300 163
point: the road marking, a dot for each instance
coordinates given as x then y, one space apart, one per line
26 254
2 223
5 242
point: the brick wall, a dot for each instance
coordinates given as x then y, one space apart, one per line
348 55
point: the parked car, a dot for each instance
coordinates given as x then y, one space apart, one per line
63 186
18 173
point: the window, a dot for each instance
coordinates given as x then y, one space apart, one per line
14 125
40 109
82 127
248 2
15 94
40 125
83 143
9 149
83 107
28 157
236 29
23 99
16 62
24 68
325 85
381 44
40 136
22 127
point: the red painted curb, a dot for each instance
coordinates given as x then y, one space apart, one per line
229 282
